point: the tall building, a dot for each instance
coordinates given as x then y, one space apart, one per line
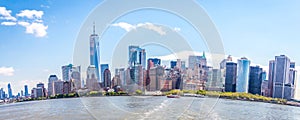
197 61
156 75
255 80
103 68
271 78
51 80
173 64
58 87
2 94
26 90
42 86
95 52
137 56
92 79
230 79
216 82
282 83
76 77
66 72
107 78
10 95
242 82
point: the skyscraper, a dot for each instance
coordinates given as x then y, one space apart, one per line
281 75
95 52
230 79
51 80
173 64
155 61
197 61
103 68
9 91
271 78
107 78
91 79
137 56
26 90
255 80
242 82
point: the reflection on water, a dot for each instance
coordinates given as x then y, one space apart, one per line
90 108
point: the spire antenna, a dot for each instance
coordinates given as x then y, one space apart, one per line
94 27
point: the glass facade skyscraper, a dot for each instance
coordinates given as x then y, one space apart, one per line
255 80
137 56
242 82
26 90
9 91
95 52
103 68
230 79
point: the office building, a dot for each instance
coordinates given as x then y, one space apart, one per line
95 53
230 79
255 80
91 79
242 82
107 78
10 95
51 80
103 68
26 90
137 56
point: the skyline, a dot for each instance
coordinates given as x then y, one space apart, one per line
55 49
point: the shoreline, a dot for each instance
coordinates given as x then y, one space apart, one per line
288 103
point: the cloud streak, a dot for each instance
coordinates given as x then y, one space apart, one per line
6 14
150 26
7 71
8 23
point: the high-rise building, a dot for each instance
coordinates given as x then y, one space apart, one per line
10 95
42 86
22 93
173 64
51 80
216 82
156 75
2 94
242 82
283 86
137 56
107 78
230 79
271 78
197 61
26 90
281 75
95 52
103 68
92 78
255 80
58 87
66 72
76 77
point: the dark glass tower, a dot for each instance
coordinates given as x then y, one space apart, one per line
230 79
95 52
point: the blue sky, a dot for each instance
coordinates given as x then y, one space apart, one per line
256 29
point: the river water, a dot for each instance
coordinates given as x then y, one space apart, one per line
147 108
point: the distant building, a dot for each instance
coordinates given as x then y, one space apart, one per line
103 67
242 82
173 64
26 90
156 75
137 56
2 94
9 91
44 91
216 82
58 87
271 78
92 80
67 87
51 80
255 80
107 78
95 53
197 61
155 61
230 79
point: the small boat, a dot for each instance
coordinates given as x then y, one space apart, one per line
173 96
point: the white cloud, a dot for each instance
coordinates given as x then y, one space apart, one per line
6 14
126 26
7 71
38 29
150 26
8 23
31 14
